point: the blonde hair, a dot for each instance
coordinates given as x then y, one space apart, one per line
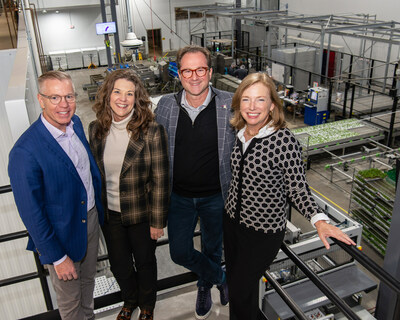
53 75
277 115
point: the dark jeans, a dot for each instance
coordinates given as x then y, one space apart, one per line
248 253
182 219
137 277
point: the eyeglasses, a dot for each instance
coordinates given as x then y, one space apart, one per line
188 73
56 99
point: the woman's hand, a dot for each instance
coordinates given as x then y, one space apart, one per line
156 233
326 230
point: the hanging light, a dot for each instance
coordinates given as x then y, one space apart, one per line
131 40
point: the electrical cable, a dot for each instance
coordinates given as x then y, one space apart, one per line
152 31
165 24
140 16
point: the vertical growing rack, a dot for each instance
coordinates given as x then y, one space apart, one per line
372 201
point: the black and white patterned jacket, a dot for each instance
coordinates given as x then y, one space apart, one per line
264 177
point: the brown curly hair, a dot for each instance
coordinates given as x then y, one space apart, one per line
142 115
277 115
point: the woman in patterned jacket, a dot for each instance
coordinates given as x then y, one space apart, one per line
267 170
130 149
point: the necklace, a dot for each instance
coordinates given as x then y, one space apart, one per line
251 134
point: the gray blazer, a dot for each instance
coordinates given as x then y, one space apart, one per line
167 113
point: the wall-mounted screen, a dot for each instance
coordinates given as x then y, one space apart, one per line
106 27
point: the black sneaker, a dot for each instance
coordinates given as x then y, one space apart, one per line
223 293
203 303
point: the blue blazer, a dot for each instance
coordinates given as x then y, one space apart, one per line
49 194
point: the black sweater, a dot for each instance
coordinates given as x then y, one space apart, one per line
196 168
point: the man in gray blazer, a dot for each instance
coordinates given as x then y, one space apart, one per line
200 143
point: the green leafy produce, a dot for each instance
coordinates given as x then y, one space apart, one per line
372 173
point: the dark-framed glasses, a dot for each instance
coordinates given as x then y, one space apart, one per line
200 72
56 99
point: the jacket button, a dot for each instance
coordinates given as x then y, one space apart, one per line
123 193
83 221
82 202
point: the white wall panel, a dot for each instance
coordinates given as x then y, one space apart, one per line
57 32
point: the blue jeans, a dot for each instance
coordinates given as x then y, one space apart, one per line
182 219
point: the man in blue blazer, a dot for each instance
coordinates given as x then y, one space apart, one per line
57 186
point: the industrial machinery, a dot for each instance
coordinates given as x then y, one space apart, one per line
315 109
336 267
131 45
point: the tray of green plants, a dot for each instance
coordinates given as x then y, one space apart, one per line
332 133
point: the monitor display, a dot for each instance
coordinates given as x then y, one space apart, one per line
314 96
106 27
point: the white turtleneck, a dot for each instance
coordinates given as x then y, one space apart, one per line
114 155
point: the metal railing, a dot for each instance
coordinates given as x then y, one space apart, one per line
41 273
370 265
184 278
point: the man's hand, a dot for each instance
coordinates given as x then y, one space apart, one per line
66 270
326 230
156 233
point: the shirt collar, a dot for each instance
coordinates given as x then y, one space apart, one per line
55 132
205 103
264 132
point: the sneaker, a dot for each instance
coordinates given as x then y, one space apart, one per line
223 293
203 303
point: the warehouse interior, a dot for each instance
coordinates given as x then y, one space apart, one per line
337 73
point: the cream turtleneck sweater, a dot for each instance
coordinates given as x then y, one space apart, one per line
114 155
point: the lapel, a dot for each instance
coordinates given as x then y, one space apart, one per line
99 154
133 149
55 149
222 114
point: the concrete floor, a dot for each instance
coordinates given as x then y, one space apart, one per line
180 303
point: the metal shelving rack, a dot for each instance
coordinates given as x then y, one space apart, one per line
371 203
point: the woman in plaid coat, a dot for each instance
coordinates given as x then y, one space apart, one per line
130 149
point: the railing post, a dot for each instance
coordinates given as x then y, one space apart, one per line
283 294
43 283
347 311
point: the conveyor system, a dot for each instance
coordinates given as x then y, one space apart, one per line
336 267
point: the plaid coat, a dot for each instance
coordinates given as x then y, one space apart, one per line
144 178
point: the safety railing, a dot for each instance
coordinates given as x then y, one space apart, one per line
41 273
366 262
285 296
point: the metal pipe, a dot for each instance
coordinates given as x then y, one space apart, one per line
106 37
285 297
382 163
5 189
392 119
345 174
13 236
375 269
116 35
332 296
42 273
352 101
